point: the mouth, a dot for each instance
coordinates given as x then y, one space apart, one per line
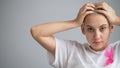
97 42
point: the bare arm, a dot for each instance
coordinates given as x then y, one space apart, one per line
43 33
51 28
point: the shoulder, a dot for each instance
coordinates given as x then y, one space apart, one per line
68 43
116 45
65 41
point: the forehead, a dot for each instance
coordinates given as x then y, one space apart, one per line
95 20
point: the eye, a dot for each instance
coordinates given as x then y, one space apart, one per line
90 29
102 28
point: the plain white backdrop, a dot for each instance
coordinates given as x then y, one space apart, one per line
17 47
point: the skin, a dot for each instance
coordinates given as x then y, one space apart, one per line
97 30
44 36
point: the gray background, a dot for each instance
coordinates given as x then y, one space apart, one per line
17 48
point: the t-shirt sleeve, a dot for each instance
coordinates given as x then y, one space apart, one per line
61 53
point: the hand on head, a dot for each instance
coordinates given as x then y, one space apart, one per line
101 7
107 11
85 10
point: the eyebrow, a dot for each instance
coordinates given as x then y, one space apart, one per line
99 26
103 25
89 26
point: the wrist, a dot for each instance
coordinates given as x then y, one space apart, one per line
75 22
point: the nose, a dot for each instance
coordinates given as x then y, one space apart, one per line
97 34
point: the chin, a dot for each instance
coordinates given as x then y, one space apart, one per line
98 47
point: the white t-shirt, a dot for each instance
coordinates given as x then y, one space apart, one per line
72 54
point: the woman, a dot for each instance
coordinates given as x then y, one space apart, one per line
97 21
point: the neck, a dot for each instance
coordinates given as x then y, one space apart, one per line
101 49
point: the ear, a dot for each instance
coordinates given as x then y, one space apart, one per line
82 29
111 28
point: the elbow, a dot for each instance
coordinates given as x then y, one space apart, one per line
33 31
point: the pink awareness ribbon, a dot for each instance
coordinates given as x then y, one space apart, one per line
109 52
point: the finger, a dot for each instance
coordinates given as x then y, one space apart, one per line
87 12
100 3
101 11
105 14
89 5
83 10
101 6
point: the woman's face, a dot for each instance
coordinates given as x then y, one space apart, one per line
97 31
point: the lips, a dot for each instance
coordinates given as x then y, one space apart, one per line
97 42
